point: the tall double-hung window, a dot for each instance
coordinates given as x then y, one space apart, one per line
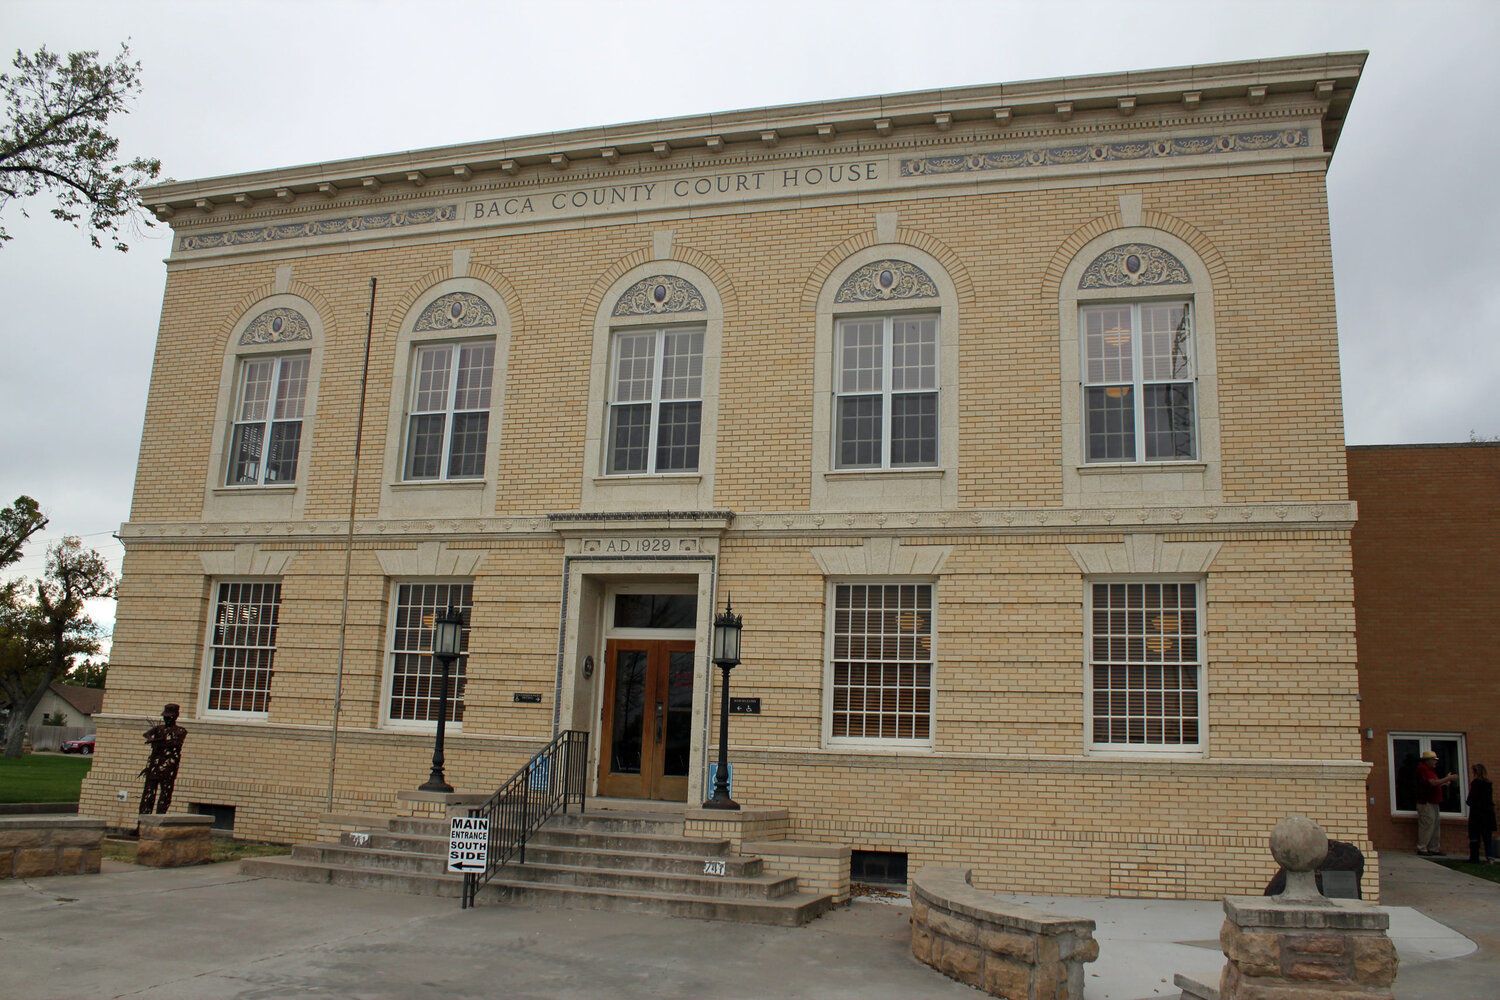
880 663
1145 663
266 435
448 421
242 646
416 675
655 401
1139 382
886 392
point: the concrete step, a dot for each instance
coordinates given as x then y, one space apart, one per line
753 887
681 863
420 827
690 882
619 821
789 910
635 843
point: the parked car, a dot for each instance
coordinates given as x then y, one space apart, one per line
84 744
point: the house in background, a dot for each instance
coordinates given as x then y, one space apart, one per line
1426 581
75 705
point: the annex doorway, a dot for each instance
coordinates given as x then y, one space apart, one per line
646 725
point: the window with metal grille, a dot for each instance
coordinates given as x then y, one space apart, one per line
881 667
1145 666
415 673
242 649
655 402
448 422
878 867
886 392
1139 382
266 435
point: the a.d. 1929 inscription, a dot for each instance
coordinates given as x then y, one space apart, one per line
640 545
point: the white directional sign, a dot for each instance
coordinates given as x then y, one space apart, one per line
468 844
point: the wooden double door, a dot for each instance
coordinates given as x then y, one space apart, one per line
647 718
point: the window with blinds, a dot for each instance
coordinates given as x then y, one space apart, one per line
242 649
1145 666
415 673
881 669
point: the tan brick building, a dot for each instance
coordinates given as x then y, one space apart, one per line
1009 415
1426 581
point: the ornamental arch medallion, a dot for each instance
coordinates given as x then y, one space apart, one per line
1134 264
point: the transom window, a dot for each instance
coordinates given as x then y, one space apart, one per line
416 676
1139 382
449 422
242 648
886 392
881 667
1145 665
267 432
655 402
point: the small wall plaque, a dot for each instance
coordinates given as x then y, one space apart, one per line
744 706
526 698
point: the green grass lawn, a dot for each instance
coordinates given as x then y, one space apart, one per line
1490 873
42 778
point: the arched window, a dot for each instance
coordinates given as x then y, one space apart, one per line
653 396
1140 396
886 378
267 402
443 438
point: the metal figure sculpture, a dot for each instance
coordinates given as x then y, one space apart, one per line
160 771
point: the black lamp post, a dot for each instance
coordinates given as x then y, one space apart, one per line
447 641
726 657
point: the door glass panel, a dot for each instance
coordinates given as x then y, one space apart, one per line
629 712
679 713
656 610
1447 763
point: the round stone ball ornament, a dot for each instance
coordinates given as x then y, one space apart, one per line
1299 845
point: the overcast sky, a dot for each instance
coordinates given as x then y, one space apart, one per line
235 86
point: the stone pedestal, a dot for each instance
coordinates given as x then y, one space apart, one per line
736 825
171 841
37 846
1279 949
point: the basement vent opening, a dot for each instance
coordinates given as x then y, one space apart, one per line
878 867
223 815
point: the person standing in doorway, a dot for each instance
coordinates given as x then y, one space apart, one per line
1481 803
1429 802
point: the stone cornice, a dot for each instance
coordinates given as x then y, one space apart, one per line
1323 84
1248 518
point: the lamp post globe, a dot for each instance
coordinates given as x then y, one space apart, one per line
726 656
447 644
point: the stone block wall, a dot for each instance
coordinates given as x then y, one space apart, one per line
38 846
736 825
1007 951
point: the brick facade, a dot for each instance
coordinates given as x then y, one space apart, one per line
1007 786
1426 578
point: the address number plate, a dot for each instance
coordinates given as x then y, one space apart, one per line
713 868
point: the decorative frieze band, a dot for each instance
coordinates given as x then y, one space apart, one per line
1073 154
397 219
1302 516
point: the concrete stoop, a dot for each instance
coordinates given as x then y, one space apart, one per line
603 860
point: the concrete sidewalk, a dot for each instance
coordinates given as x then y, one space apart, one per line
210 932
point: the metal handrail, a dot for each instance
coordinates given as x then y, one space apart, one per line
543 785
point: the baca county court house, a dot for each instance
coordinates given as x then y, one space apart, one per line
1009 416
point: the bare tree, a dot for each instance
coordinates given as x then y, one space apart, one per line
55 138
43 629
